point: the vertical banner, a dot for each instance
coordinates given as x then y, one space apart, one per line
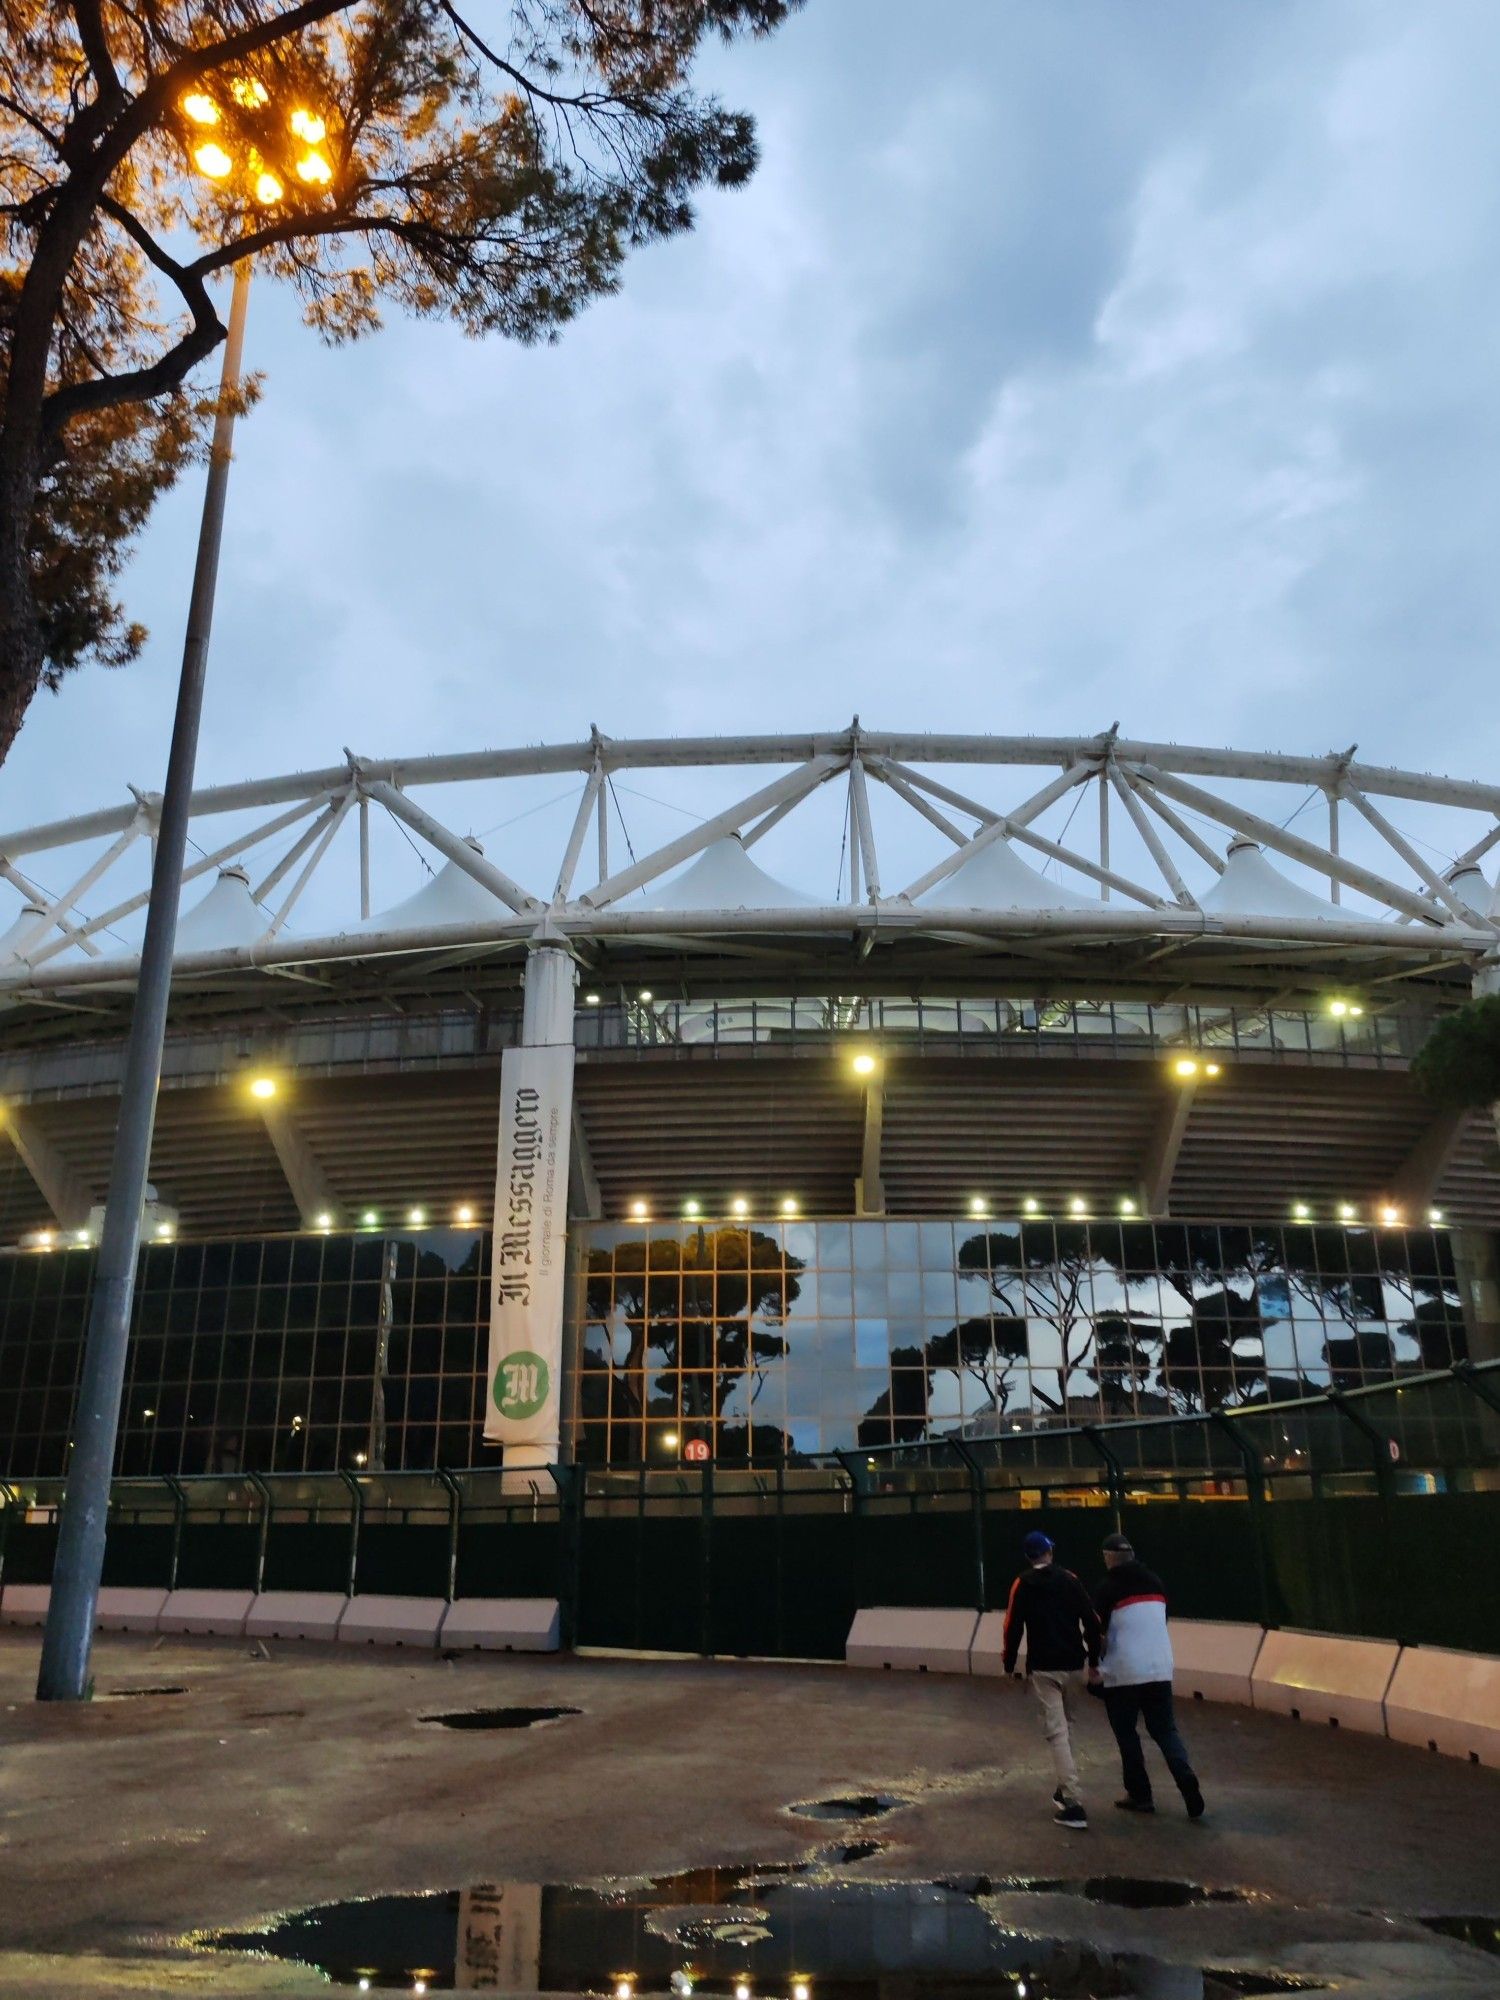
499 1938
524 1404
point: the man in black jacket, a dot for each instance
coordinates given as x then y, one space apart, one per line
1050 1608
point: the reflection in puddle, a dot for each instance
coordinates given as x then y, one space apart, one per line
498 1718
860 1805
768 1932
1121 1892
1481 1932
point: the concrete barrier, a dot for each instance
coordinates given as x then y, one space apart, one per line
1214 1661
206 1613
392 1621
502 1625
912 1638
1441 1700
988 1645
25 1603
123 1609
1322 1679
295 1614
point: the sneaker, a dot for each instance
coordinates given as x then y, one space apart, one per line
1071 1814
1193 1800
1059 1797
1134 1805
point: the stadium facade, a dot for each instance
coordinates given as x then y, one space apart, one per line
1021 1128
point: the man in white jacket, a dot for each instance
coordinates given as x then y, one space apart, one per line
1136 1671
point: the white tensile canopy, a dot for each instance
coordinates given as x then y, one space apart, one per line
996 878
451 897
1251 887
226 918
16 932
723 877
1471 885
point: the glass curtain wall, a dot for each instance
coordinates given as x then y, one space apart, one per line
757 1340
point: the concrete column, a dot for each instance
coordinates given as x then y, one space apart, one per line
1476 1263
547 1009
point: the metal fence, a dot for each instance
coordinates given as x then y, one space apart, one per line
1373 1512
608 1020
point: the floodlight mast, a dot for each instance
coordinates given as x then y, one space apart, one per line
67 1645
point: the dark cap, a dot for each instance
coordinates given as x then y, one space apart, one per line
1036 1545
1117 1545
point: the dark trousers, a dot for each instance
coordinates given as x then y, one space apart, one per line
1149 1702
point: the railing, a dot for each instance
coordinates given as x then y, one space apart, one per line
1307 1513
769 1026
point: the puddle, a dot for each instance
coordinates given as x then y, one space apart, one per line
498 1718
129 1694
1481 1932
722 1932
1120 1892
861 1850
860 1805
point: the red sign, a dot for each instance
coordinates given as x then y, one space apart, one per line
696 1451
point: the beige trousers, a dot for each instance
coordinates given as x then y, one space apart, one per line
1055 1693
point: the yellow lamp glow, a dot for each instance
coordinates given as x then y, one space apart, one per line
249 91
1078 1206
1434 1215
268 189
416 1216
463 1214
692 1207
1338 1009
1127 1206
739 1206
1346 1211
863 1065
200 107
1031 1206
639 1210
789 1205
1390 1215
314 169
669 1439
307 125
263 1086
1184 1067
213 161
1301 1210
978 1205
1211 1069
323 1221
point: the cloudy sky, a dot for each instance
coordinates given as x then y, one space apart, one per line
1067 361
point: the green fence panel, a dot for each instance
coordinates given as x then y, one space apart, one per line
641 1582
1324 1558
1441 1585
510 1559
818 1595
218 1555
917 1559
1076 1533
745 1585
1203 1551
307 1555
402 1559
29 1552
139 1554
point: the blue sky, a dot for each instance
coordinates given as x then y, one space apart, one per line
1066 361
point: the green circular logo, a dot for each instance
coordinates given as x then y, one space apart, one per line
521 1385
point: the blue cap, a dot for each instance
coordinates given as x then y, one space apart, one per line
1036 1545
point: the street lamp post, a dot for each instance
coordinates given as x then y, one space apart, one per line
67 1644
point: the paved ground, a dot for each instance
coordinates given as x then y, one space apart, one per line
306 1777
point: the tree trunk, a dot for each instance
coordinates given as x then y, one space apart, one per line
20 641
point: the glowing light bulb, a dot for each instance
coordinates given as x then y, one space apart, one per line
1338 1009
200 107
863 1065
639 1210
463 1214
591 999
669 1439
1127 1206
263 1086
691 1207
416 1217
1078 1206
1184 1067
1031 1206
212 160
789 1205
268 189
323 1220
1346 1211
978 1205
646 993
369 1218
1390 1215
739 1206
314 169
308 126
1301 1210
1434 1215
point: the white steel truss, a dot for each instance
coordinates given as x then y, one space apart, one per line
1180 802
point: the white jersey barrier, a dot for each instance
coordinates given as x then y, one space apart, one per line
467 1624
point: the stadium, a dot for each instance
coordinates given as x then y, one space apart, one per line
901 1088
